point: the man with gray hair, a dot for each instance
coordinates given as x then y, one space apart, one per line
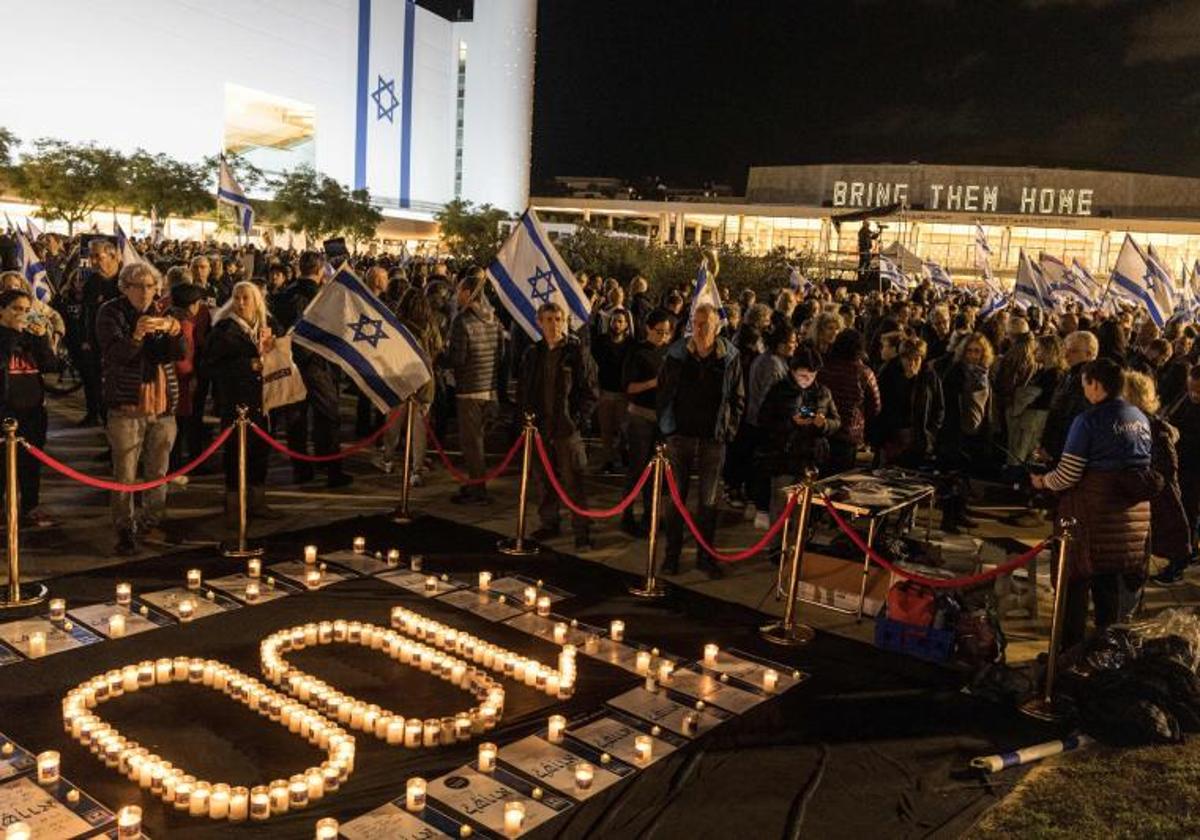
138 351
1079 348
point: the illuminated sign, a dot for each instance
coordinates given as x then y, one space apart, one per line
967 198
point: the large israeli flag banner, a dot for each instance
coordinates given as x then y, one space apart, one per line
1061 284
1031 288
383 106
529 272
936 274
347 325
888 270
129 254
705 291
33 271
230 192
1142 281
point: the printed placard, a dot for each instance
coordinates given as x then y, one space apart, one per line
14 759
8 656
614 733
205 601
657 708
294 570
58 637
391 822
482 604
543 628
235 586
416 581
708 687
553 765
363 564
614 653
750 669
513 586
481 797
49 811
96 617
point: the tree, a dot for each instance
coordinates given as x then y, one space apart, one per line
171 186
8 142
472 233
68 181
320 207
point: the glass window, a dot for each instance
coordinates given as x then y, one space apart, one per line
274 133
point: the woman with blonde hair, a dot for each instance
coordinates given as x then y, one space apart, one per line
1029 404
964 435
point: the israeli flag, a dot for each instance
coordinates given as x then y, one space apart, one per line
1157 259
389 52
705 291
529 272
797 281
995 303
156 226
129 254
983 259
937 275
1142 281
888 270
1061 281
230 192
33 271
347 325
32 230
1031 288
1195 284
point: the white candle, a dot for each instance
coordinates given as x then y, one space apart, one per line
298 792
58 610
360 545
643 662
643 748
616 630
37 644
254 568
393 557
124 594
710 654
312 578
487 757
770 679
485 581
557 725
18 831
417 562
690 724
327 829
415 794
651 683
310 551
665 669
193 579
198 801
560 632
187 609
260 803
431 584
218 802
116 625
543 605
129 823
395 731
584 773
253 591
48 763
239 804
514 818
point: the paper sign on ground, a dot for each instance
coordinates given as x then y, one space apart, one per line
750 669
391 822
415 582
614 734
14 759
168 600
235 586
58 639
707 687
481 797
294 570
49 813
482 604
363 564
96 616
553 765
657 708
543 628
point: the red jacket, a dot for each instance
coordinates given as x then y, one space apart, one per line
855 393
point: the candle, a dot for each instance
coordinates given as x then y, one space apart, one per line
643 662
560 632
18 831
412 733
710 655
770 679
485 581
124 594
278 792
431 584
514 818
543 605
487 757
433 730
239 804
116 625
316 784
584 773
198 801
643 748
254 568
651 683
260 803
58 610
557 725
393 557
129 823
417 562
218 802
327 829
47 767
298 792
415 794
193 579
665 669
187 609
691 724
253 591
616 630
360 545
312 578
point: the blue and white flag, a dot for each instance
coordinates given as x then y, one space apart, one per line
937 275
705 291
888 270
347 325
1161 263
156 226
391 55
33 271
1141 280
230 192
1062 283
529 272
983 259
129 254
797 282
1030 288
32 230
1195 285
996 302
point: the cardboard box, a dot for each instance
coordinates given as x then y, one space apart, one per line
834 582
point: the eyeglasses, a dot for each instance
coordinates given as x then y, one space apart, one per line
144 286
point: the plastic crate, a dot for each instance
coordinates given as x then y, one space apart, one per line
928 643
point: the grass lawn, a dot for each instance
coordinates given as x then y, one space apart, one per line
1142 793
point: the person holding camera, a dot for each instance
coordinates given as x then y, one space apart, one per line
866 243
138 351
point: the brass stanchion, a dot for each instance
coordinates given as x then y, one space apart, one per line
651 588
16 594
1043 707
784 533
402 515
521 547
789 631
242 548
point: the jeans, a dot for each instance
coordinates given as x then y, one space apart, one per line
705 457
135 437
569 460
393 438
472 426
610 414
642 434
31 425
324 437
1106 594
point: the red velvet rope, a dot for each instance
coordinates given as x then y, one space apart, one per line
935 583
566 500
117 487
460 476
745 554
345 452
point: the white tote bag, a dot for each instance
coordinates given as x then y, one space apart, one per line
282 384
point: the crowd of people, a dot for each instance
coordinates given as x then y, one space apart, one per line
1099 410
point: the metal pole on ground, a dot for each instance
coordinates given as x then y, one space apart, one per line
783 547
651 588
242 548
16 594
402 515
789 631
521 547
1042 707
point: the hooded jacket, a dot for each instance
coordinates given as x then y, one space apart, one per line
733 395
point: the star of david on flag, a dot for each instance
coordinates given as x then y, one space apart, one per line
360 327
230 192
33 270
1139 279
528 273
385 99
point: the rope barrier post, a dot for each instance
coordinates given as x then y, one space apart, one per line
402 515
783 547
789 631
520 547
1043 706
17 595
242 548
651 588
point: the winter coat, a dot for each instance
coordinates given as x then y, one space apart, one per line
967 394
232 361
1067 403
577 392
733 395
475 348
1168 523
855 392
787 448
915 412
127 364
1112 532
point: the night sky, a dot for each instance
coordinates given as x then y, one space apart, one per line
698 90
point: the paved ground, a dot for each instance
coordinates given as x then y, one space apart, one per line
85 539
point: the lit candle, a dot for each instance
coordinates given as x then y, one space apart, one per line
690 724
514 818
643 748
310 551
770 679
279 797
417 562
316 785
557 725
584 773
193 579
327 829
415 794
253 591
116 625
198 802
360 545
485 581
48 763
312 578
487 757
665 669
218 802
710 655
58 610
643 662
651 683
431 584
18 831
395 731
124 594
543 605
560 632
616 630
254 568
412 733
187 609
298 793
393 557
239 804
260 803
433 730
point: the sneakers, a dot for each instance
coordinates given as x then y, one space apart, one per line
1167 577
179 481
385 465
417 480
125 547
762 521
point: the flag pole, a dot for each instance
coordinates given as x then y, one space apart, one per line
403 516
520 547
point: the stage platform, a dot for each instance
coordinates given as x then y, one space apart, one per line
864 743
